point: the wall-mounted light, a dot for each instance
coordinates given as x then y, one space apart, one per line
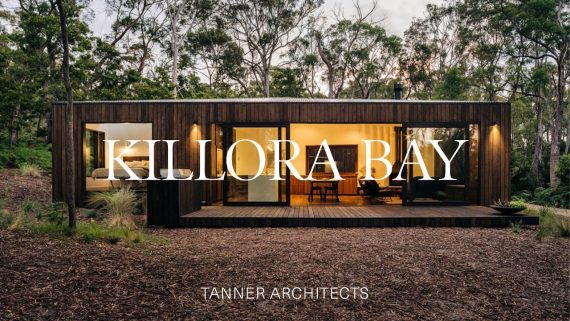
195 123
493 124
126 149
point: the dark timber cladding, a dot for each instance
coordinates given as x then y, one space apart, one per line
173 120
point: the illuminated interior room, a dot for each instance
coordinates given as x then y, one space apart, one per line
481 169
348 151
96 156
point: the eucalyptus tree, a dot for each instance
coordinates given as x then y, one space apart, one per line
264 29
302 56
432 44
216 55
285 82
374 59
485 64
69 135
182 17
545 24
136 31
541 86
32 74
336 44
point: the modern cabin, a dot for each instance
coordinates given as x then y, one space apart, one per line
481 168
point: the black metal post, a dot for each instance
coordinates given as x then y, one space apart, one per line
398 91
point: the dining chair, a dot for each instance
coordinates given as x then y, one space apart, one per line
333 188
313 189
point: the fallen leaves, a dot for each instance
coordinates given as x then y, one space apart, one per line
411 273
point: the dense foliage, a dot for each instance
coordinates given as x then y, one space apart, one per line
508 50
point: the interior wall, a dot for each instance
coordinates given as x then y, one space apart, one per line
123 132
346 134
247 155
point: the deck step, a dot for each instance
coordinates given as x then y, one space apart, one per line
242 221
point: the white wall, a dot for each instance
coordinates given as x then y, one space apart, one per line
247 157
122 132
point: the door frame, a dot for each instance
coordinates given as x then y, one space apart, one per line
466 193
227 140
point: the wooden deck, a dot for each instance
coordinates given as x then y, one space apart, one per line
351 216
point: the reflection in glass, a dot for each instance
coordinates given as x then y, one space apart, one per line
436 190
93 151
246 163
474 164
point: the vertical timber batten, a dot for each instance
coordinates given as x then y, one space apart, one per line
175 119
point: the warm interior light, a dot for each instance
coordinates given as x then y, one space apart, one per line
126 149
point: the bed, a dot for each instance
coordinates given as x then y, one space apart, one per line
138 164
99 176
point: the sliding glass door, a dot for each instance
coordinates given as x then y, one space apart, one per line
464 166
246 188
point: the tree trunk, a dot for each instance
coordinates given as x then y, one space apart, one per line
49 127
13 127
13 137
537 156
556 126
39 124
174 75
567 147
266 82
174 11
70 146
331 82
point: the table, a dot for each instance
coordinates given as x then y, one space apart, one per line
325 183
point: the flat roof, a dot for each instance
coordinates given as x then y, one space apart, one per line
281 100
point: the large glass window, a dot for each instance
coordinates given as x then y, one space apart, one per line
474 164
246 162
437 190
93 151
96 155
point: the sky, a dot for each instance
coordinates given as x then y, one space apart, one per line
396 14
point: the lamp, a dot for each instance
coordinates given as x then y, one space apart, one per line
494 123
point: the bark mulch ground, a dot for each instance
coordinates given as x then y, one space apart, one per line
16 189
410 273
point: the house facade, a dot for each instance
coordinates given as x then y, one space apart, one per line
481 168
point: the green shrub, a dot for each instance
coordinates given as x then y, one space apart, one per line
48 228
524 196
517 203
52 224
552 224
30 170
6 219
91 213
516 227
55 213
563 170
29 207
101 232
19 155
87 238
558 196
113 239
505 203
18 223
119 205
